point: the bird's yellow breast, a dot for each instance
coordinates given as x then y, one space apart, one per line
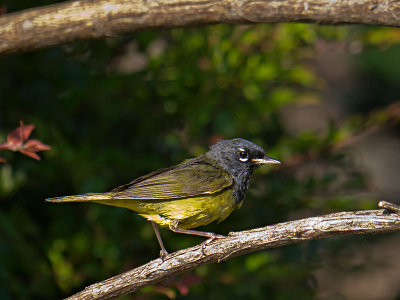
186 213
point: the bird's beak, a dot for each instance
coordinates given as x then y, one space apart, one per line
265 160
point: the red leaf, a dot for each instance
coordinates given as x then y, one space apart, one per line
35 146
17 140
183 285
14 140
169 292
215 138
26 130
6 146
30 154
17 137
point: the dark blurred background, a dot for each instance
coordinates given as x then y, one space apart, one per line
322 99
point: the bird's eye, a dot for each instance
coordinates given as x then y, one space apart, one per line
243 156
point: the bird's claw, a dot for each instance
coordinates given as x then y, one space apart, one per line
209 240
163 254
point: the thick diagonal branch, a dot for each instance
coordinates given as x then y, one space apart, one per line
83 20
240 243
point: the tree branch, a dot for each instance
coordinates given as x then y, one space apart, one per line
83 20
244 242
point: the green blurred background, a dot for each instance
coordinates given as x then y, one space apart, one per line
321 99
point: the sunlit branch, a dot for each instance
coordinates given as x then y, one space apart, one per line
83 20
244 242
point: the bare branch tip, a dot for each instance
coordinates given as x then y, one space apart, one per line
389 206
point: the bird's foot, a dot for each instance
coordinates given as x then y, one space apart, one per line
209 240
163 254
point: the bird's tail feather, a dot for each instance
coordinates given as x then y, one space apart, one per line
82 198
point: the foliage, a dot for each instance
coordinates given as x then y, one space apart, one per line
109 120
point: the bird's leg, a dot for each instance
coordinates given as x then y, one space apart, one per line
163 252
210 235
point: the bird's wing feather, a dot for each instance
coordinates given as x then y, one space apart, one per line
193 177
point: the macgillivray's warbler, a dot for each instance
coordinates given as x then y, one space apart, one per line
194 193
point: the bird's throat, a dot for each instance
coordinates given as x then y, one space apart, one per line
241 185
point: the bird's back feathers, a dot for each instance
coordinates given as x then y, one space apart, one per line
193 177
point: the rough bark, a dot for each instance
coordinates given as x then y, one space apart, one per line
244 242
89 19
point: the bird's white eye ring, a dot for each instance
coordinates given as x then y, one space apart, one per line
243 155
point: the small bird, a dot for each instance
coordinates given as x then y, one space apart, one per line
193 193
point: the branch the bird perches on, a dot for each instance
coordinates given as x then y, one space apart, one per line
244 242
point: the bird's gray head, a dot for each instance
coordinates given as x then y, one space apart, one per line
239 157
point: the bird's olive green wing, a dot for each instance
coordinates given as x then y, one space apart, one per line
193 177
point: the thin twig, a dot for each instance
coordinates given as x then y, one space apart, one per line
244 242
389 206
